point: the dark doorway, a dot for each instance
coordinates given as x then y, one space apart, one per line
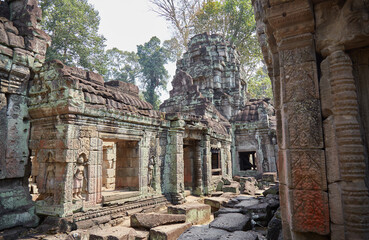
247 161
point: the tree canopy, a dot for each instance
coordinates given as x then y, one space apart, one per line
73 26
152 58
122 65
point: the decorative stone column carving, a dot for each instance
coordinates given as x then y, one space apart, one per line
301 160
349 202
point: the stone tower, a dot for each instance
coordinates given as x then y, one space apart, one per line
213 64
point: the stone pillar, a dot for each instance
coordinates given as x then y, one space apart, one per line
303 186
348 195
174 171
198 170
206 164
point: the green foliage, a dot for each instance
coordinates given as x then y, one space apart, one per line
259 85
73 26
181 16
152 58
122 65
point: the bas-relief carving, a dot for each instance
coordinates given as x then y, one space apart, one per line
80 178
50 177
310 211
303 125
307 169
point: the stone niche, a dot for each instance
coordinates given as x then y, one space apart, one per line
317 58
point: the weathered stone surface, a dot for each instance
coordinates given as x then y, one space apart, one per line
114 233
202 233
169 232
234 187
227 210
275 227
241 235
215 202
232 222
196 213
142 220
247 203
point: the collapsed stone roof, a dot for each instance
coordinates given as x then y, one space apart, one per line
86 92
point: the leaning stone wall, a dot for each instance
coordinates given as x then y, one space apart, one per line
309 47
22 53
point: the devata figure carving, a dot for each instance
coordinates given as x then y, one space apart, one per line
150 172
79 178
49 177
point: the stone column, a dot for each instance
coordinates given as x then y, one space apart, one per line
198 170
303 186
174 170
348 195
206 164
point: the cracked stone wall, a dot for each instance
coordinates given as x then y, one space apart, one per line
22 52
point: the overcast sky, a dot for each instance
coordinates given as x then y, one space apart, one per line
128 23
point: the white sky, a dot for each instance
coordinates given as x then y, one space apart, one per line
128 23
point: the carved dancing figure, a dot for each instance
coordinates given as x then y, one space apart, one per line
79 178
49 178
150 172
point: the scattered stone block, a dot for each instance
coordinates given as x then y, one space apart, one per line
143 220
272 190
269 177
247 203
241 235
196 213
202 232
232 222
275 226
169 232
215 203
227 210
234 187
114 233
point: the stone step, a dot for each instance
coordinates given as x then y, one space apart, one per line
196 213
215 203
234 187
151 220
169 232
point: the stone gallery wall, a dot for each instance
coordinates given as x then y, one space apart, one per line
22 52
73 114
311 49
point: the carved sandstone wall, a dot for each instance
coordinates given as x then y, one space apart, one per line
320 84
22 53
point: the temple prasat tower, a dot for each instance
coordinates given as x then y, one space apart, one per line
213 66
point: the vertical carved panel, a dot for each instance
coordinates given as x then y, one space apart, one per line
310 211
308 170
303 125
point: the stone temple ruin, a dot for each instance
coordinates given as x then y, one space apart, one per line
85 144
89 150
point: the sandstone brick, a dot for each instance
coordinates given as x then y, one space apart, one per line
169 232
196 213
142 220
